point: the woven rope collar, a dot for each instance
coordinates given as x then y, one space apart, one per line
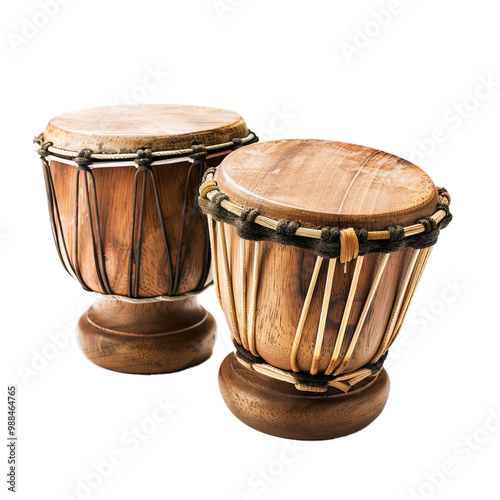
304 381
330 242
48 147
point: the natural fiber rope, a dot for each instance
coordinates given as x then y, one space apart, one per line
253 298
398 301
304 381
333 375
143 158
345 316
364 313
303 314
229 283
65 153
323 317
150 300
243 291
349 246
328 241
420 266
214 257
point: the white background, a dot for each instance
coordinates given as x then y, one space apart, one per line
292 69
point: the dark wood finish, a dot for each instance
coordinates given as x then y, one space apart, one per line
326 183
161 127
159 337
114 187
139 338
277 408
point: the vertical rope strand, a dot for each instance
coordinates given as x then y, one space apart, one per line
99 239
423 258
139 236
132 236
229 285
303 315
214 256
180 259
244 337
382 262
403 285
77 211
207 257
323 317
104 285
163 232
345 317
206 240
55 220
253 298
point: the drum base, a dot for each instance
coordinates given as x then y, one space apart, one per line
277 408
158 337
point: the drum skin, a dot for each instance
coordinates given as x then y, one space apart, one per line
319 183
160 127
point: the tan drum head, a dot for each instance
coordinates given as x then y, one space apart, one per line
125 129
324 183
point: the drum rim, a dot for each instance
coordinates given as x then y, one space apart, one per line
325 182
72 134
331 242
47 149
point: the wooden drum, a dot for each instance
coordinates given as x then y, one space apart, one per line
122 189
318 247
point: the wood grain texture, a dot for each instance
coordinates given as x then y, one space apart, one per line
114 187
138 338
285 274
160 337
277 408
125 129
319 183
325 183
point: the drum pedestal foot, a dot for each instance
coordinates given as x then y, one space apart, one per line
278 408
157 337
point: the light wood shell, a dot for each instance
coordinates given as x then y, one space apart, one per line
342 185
284 277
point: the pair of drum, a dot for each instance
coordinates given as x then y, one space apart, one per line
316 249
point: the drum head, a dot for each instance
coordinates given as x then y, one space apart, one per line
125 129
325 183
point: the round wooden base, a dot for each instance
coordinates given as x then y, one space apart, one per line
278 408
158 337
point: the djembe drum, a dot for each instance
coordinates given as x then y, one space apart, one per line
317 249
122 185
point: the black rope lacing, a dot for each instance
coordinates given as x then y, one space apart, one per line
328 245
54 213
144 172
84 160
319 380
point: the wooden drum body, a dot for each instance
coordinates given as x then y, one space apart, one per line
314 274
122 187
